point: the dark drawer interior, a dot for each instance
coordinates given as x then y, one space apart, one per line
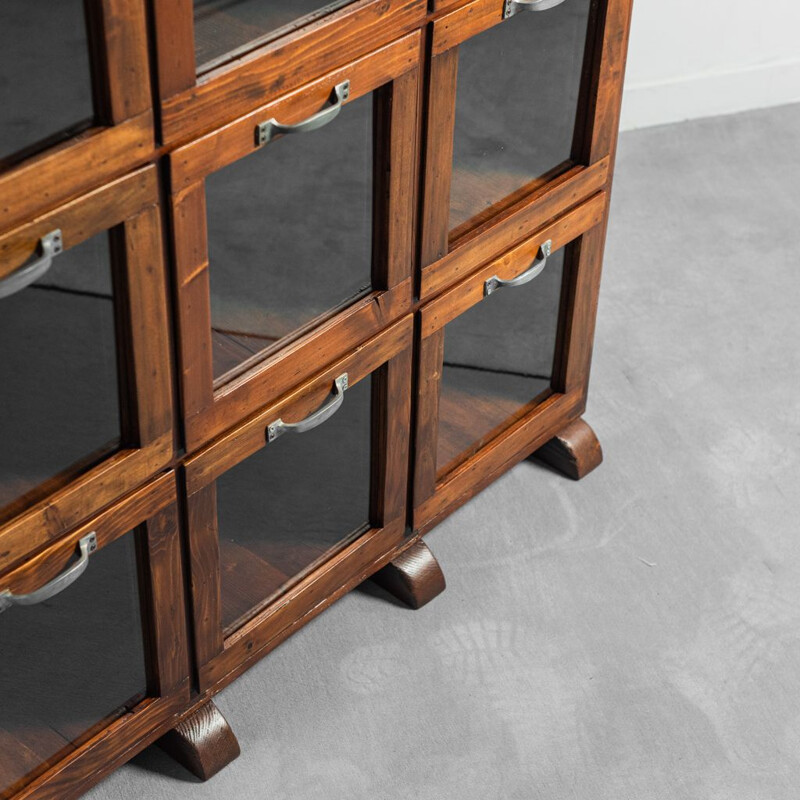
516 108
46 85
58 373
292 505
498 363
290 235
70 665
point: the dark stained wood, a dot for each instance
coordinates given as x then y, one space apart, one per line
174 45
426 433
414 577
203 742
574 450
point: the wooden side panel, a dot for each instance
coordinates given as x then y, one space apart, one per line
174 42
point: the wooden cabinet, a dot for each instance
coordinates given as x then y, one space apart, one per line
281 286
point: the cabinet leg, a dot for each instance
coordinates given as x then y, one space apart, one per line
574 451
203 743
414 577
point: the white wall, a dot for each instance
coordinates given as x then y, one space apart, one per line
700 58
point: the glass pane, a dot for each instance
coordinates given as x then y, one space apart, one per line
225 26
516 106
69 664
58 373
293 504
498 363
289 234
44 63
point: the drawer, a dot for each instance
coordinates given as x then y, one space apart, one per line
519 124
293 236
220 60
84 360
504 359
94 647
297 505
76 100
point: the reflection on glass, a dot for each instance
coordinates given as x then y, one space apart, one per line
293 504
498 363
289 234
516 106
58 373
222 27
69 664
45 82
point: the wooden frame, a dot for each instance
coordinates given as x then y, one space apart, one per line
444 259
153 511
270 66
392 71
122 136
436 496
390 355
130 207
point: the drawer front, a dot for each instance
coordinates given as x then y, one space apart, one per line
76 99
218 61
313 485
293 231
504 358
85 367
522 119
93 640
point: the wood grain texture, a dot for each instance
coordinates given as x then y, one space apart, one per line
574 450
203 742
414 577
285 64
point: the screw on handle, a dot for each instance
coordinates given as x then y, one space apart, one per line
540 262
266 131
50 245
87 545
512 7
325 412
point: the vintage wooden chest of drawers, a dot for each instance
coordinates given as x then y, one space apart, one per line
282 284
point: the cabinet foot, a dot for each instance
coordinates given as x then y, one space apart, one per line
574 451
414 577
203 743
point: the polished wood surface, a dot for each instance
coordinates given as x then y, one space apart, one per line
203 742
574 451
414 577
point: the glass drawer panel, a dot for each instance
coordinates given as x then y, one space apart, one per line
289 235
46 84
516 106
58 373
292 505
223 27
498 363
70 665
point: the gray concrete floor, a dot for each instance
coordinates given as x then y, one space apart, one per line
635 635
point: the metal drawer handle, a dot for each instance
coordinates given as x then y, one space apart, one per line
515 6
326 411
88 544
540 262
51 244
266 131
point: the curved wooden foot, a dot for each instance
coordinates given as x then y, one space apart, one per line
414 577
575 451
203 743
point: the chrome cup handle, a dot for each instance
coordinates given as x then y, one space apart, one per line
266 131
512 7
325 412
87 545
540 262
50 245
